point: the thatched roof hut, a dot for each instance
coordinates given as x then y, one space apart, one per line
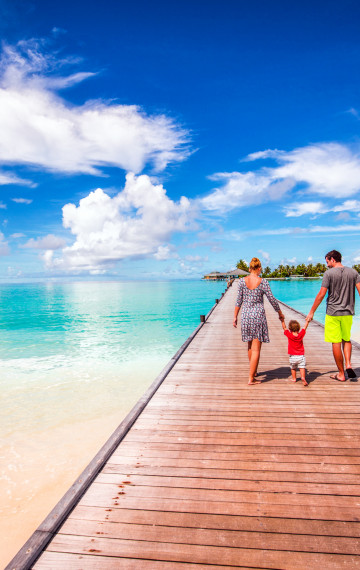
237 273
226 274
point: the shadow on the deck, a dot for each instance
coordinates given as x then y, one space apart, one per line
283 373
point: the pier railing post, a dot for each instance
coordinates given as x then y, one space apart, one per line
202 318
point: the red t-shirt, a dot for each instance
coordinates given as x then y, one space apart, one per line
296 345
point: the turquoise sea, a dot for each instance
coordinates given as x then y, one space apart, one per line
74 360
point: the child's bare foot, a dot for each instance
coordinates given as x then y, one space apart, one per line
254 382
293 379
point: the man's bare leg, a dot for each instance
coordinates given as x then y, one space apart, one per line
347 348
339 360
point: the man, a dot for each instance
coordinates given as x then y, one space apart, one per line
340 282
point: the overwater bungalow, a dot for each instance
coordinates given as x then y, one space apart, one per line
218 276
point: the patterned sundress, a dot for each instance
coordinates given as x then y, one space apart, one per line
253 318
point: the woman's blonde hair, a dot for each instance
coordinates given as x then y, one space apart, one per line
255 263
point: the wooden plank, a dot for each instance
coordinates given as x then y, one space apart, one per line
123 471
61 560
190 553
323 465
112 494
251 509
212 537
223 522
123 480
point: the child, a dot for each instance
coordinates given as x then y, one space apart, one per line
296 348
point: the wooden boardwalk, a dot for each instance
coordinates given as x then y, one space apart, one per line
217 474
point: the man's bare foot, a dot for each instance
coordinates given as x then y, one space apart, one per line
254 382
336 377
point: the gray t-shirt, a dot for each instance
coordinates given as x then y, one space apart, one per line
340 283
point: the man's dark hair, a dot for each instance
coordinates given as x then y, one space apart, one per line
333 254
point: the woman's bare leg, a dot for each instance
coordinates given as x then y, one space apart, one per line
254 356
249 354
249 350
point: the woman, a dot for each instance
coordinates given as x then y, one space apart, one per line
254 328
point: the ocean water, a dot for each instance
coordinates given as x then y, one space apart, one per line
74 360
57 340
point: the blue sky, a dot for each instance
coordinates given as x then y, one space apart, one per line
166 140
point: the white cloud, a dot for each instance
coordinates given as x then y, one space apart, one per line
265 255
348 206
326 169
3 206
22 200
297 231
297 209
17 236
330 169
39 128
165 252
47 242
137 222
243 189
9 178
300 208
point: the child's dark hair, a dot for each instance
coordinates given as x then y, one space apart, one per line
294 326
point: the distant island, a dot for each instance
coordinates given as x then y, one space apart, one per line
280 272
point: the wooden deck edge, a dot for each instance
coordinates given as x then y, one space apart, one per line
353 342
41 537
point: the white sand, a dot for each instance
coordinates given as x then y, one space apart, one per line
38 467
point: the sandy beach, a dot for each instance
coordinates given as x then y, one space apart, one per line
39 468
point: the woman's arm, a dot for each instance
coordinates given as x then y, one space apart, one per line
236 312
239 302
272 300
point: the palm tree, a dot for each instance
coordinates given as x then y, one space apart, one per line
241 264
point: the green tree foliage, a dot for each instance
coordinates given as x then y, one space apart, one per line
301 270
357 268
241 264
283 271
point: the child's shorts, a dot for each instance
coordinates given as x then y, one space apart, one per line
297 361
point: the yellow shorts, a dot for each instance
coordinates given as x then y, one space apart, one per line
337 328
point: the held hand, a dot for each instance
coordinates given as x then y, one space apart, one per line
281 316
310 317
235 323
